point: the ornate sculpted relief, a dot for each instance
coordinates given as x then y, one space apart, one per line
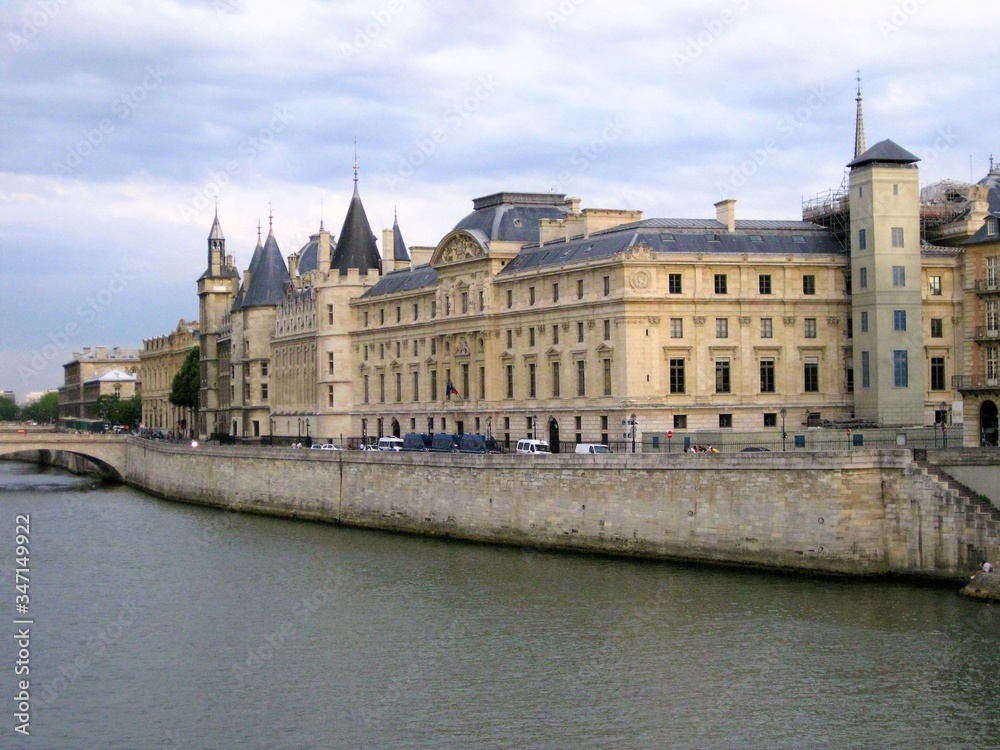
461 247
640 279
639 251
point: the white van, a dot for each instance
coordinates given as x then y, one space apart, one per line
592 448
533 448
390 444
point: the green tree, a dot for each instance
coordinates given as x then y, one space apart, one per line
45 409
8 409
184 390
115 410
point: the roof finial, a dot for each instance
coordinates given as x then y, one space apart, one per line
321 214
258 231
355 161
395 213
859 125
270 218
991 162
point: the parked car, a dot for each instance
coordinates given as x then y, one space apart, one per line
529 447
416 442
755 449
444 443
592 448
391 444
315 447
472 443
330 447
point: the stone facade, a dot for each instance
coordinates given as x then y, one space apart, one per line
80 389
160 361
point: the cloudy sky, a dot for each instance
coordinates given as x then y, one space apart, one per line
123 122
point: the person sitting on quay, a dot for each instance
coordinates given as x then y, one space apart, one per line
984 567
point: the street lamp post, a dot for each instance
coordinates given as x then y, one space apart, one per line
308 439
299 439
271 433
364 432
784 435
632 424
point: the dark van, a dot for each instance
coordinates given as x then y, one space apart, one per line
416 441
477 444
444 443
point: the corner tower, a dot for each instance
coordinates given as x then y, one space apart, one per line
886 286
216 290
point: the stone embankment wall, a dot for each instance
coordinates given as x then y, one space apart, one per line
984 586
852 512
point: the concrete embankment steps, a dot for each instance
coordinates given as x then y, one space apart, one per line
979 512
984 586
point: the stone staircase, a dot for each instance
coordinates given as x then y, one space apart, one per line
979 512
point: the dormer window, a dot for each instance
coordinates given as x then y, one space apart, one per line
991 226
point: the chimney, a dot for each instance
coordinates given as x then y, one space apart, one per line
725 213
323 251
293 265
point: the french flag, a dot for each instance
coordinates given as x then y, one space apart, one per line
450 389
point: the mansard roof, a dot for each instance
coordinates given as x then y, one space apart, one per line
884 152
404 280
513 217
269 279
674 236
356 248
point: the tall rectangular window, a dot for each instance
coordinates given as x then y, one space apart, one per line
434 308
937 328
531 336
482 382
863 277
329 314
900 369
607 285
466 382
899 320
416 311
722 328
509 370
329 395
764 283
531 295
937 374
864 322
434 385
992 316
465 302
722 384
810 373
721 285
416 386
581 378
992 363
810 328
674 283
808 284
399 314
676 328
899 276
510 338
555 334
607 377
579 332
531 380
381 387
677 375
510 298
263 391
399 386
366 390
607 330
850 327
767 376
555 292
897 237
865 370
555 380
934 286
329 363
579 288
766 328
862 239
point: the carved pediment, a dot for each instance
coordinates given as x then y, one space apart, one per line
639 251
605 349
506 356
459 246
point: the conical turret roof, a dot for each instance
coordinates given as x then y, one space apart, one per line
356 247
399 251
216 231
269 277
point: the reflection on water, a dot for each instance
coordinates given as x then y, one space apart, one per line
161 625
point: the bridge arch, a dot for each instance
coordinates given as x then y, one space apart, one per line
103 456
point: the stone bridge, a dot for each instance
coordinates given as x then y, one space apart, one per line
107 453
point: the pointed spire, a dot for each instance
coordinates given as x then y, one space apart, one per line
356 248
216 231
399 251
859 125
355 165
270 220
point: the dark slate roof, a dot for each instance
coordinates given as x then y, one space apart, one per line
982 235
356 248
884 152
513 216
309 254
665 236
404 280
399 251
269 280
254 262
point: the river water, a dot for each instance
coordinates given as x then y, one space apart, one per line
157 625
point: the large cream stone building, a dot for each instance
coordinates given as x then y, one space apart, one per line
536 317
160 361
94 372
